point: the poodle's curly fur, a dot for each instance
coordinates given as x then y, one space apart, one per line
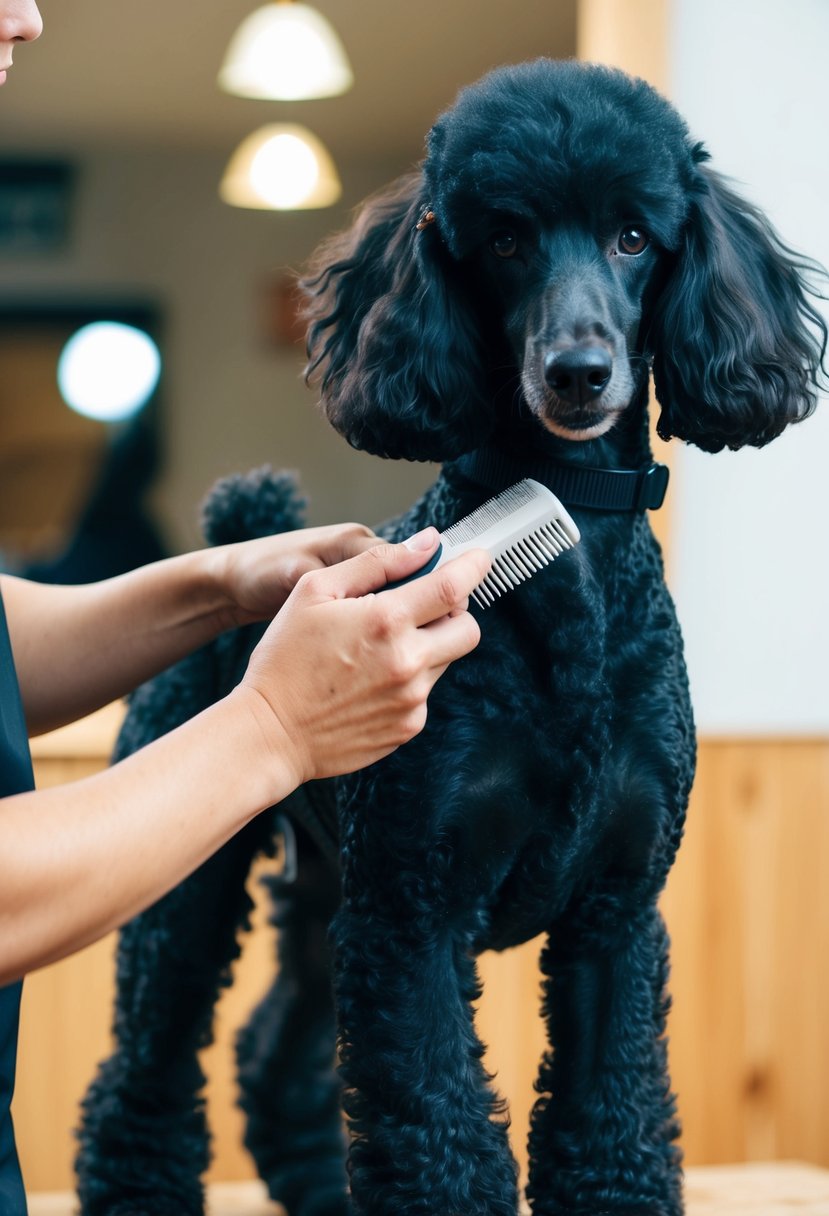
496 310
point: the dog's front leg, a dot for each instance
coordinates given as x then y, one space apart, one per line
602 1139
426 1133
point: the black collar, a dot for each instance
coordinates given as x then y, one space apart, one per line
575 485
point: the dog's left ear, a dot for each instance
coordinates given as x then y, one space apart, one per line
738 348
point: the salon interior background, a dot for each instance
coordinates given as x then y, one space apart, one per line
127 96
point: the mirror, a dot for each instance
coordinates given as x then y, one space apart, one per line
72 508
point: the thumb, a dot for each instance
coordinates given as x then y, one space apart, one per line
371 570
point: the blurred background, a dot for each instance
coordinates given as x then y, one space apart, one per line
127 102
114 139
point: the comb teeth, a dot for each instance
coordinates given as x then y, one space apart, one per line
491 513
524 529
521 560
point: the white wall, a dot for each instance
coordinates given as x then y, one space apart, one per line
750 555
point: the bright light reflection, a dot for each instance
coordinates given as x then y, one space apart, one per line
108 370
284 171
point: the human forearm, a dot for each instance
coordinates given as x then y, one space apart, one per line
78 860
76 648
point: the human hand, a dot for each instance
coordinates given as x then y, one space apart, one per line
341 677
257 576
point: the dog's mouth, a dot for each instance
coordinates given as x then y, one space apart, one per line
578 425
577 421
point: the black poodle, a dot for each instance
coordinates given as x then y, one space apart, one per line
497 311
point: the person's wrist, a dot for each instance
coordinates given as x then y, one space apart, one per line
275 752
215 575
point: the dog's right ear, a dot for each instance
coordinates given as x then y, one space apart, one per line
738 344
393 340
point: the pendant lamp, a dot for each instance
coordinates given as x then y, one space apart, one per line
285 51
281 167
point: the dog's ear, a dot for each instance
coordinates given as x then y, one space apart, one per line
392 339
738 347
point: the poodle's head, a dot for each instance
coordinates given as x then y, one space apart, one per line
563 229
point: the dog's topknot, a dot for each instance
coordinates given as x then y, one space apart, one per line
248 505
553 135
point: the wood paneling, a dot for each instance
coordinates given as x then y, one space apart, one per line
748 909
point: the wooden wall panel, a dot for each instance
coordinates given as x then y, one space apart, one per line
748 909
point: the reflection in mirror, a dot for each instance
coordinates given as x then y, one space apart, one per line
72 506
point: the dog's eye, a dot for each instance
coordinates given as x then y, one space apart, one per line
504 243
632 241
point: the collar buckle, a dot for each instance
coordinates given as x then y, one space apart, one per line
653 485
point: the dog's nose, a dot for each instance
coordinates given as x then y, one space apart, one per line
579 373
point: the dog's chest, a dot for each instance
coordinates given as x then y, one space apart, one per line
530 744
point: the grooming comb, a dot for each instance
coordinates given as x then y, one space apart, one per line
524 529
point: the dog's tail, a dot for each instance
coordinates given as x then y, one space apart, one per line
248 505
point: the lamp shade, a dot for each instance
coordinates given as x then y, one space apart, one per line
281 167
285 51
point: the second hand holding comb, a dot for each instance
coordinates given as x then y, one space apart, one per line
524 529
